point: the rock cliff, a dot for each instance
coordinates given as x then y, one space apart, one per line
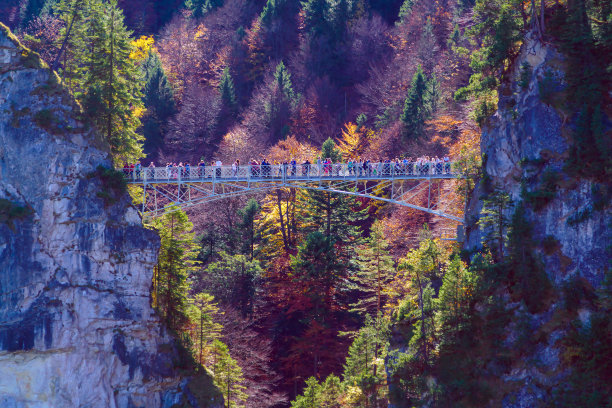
524 147
76 325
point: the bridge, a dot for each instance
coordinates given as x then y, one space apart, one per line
407 185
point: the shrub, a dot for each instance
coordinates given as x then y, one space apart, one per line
10 211
114 184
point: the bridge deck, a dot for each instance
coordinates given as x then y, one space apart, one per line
164 188
301 173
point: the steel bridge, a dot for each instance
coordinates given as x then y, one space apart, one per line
164 188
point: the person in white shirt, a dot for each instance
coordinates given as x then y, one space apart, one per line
218 164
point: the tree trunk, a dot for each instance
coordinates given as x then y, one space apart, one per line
77 6
109 120
281 219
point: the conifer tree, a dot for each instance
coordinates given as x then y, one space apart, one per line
330 151
376 269
365 365
282 77
227 90
103 76
205 330
415 106
158 100
176 261
281 103
316 14
454 301
250 234
234 280
495 221
228 377
200 7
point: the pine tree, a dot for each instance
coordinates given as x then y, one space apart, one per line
176 261
200 7
250 234
72 13
282 77
316 14
365 363
376 269
309 399
495 221
281 103
234 280
227 90
205 330
106 79
415 106
158 100
228 377
454 302
330 151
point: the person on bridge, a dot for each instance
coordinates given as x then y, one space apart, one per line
306 168
447 165
202 169
293 167
235 167
218 165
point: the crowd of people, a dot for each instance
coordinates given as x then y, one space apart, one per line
424 165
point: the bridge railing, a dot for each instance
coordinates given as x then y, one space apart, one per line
288 171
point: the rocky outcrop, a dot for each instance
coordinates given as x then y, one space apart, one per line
526 139
76 325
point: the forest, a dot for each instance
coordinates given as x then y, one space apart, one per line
299 298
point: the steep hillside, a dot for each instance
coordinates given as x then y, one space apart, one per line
563 221
77 327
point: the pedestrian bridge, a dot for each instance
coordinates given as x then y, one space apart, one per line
428 187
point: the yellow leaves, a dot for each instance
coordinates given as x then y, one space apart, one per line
291 148
201 33
350 143
138 112
354 140
141 47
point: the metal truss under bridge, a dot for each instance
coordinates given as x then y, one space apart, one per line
164 188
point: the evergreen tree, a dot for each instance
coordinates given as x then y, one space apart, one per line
405 10
316 14
376 269
330 151
176 261
495 221
272 11
318 276
309 399
205 330
72 13
227 91
228 377
250 234
415 106
420 267
528 280
455 300
30 9
365 365
158 100
104 77
234 280
281 103
282 77
200 7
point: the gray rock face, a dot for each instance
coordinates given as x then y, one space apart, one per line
76 325
525 138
